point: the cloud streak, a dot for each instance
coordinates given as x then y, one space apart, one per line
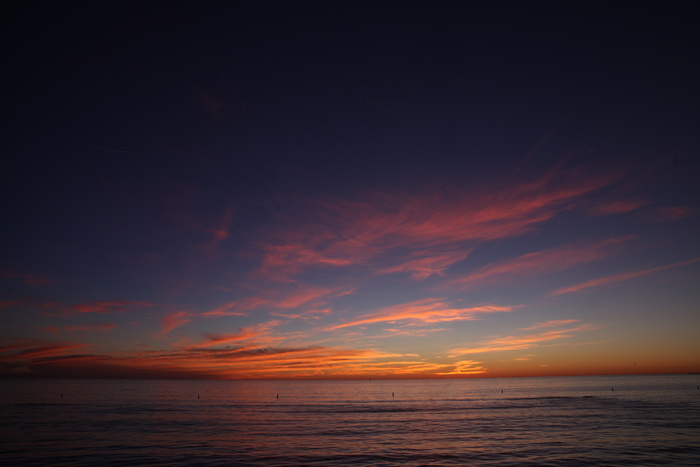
541 262
616 278
527 341
381 224
429 310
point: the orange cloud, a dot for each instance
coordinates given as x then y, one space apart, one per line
313 314
429 310
551 324
46 359
500 344
29 349
615 278
257 332
541 262
465 367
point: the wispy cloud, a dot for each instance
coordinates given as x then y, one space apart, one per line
617 207
257 333
297 295
465 367
427 264
527 341
33 280
31 349
616 278
551 324
541 262
672 213
101 307
173 320
381 224
429 310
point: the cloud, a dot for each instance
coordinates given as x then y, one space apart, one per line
89 327
396 224
429 310
173 320
465 367
541 262
244 360
255 333
672 213
31 349
551 324
101 307
527 341
235 307
295 296
32 280
106 307
617 207
615 278
313 314
428 265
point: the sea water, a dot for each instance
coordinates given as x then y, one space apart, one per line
558 421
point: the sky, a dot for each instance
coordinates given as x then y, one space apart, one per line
349 190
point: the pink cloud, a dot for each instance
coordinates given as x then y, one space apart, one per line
235 307
108 306
254 333
342 232
429 310
101 307
617 207
672 213
29 279
500 344
615 278
313 314
101 327
426 266
541 262
299 295
173 320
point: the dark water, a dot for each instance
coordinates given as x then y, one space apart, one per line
646 420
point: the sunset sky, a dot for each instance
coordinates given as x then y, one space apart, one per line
349 190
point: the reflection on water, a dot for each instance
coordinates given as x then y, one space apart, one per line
510 421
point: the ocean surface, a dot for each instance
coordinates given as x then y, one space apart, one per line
559 421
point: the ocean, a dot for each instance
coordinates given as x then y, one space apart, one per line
544 421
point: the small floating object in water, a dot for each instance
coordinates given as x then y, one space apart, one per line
612 389
197 396
501 391
278 396
61 395
392 394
